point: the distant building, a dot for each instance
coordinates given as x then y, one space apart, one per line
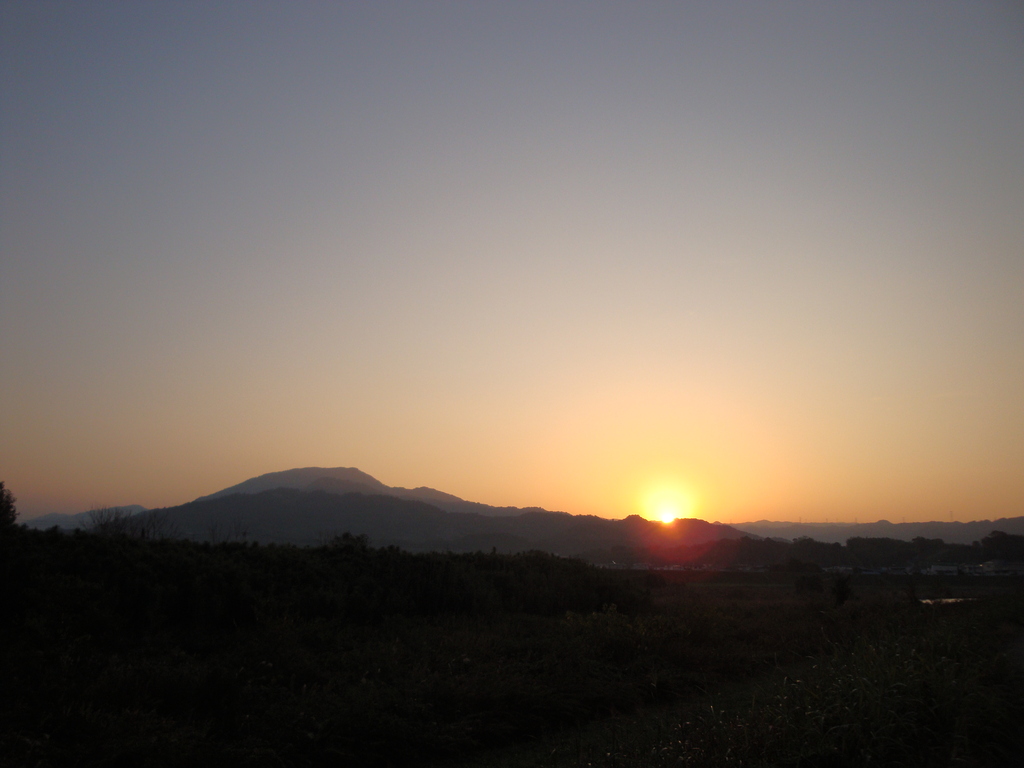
1002 567
942 569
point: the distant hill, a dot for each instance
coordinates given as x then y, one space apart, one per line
951 532
309 517
340 480
345 480
69 522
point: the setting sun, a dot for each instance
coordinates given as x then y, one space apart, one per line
668 512
667 504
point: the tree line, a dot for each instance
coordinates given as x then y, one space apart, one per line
859 552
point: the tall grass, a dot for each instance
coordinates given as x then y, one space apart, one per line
886 700
129 652
925 686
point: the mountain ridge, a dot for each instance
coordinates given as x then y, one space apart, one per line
340 480
310 517
345 480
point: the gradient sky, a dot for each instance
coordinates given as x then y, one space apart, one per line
764 259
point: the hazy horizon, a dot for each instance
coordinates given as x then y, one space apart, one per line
780 522
741 260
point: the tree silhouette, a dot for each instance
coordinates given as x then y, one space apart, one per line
152 524
8 513
110 521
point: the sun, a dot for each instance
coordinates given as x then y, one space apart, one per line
667 504
667 512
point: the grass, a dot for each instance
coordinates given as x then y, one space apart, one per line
904 685
123 652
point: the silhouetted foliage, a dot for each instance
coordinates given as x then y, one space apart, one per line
122 521
109 521
132 651
809 584
863 553
793 565
1003 546
841 591
8 512
163 627
825 555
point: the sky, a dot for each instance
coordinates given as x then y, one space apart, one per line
738 260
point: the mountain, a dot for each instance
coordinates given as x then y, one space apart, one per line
69 522
312 505
951 532
340 480
309 517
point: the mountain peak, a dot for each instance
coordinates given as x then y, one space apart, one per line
332 479
342 480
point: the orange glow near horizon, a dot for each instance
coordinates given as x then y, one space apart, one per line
667 503
478 269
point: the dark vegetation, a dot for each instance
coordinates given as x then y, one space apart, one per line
125 647
121 648
8 511
858 553
897 684
952 531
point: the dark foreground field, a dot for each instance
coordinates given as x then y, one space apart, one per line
118 651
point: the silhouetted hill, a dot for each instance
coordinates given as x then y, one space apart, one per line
288 515
951 532
69 522
341 480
